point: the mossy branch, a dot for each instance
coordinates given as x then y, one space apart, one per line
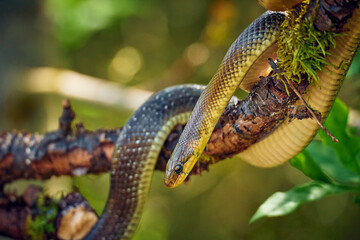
303 48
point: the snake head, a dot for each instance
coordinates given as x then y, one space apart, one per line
179 166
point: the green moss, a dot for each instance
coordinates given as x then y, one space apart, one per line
302 49
205 159
44 221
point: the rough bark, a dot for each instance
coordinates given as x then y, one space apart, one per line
62 152
70 218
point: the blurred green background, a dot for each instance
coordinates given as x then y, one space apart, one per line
91 51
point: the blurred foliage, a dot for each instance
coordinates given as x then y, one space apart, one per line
155 44
152 44
77 20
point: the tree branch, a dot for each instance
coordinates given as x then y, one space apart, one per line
79 152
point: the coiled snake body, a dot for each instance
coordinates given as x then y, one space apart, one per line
137 150
143 135
290 139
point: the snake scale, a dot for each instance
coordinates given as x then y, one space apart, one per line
140 142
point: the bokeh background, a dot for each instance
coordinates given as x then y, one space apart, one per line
107 57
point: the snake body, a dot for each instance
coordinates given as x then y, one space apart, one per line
137 150
140 142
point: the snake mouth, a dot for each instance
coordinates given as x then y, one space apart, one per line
171 179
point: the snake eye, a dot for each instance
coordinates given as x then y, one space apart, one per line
178 169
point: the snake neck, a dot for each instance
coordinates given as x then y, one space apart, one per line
244 61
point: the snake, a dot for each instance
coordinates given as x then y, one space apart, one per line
140 141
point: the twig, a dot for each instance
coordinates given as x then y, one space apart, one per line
284 79
334 139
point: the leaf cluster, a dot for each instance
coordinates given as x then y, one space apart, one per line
333 167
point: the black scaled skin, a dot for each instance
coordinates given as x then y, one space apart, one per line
135 155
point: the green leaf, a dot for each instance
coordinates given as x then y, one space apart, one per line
336 121
282 203
321 163
305 163
349 145
356 200
329 163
